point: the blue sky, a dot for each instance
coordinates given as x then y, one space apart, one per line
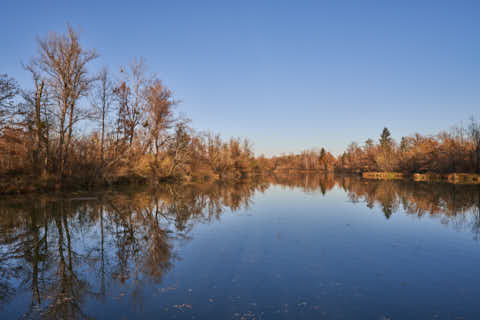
288 75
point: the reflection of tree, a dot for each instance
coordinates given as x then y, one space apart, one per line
8 263
35 256
23 246
457 205
67 288
476 219
381 192
65 251
322 182
450 201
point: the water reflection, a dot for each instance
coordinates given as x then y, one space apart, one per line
456 204
63 250
57 253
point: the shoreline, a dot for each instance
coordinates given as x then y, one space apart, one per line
454 178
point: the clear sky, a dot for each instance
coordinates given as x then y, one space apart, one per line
288 75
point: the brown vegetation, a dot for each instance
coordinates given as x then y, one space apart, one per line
47 141
309 160
77 129
451 156
383 175
456 151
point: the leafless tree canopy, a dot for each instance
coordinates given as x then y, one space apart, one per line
8 91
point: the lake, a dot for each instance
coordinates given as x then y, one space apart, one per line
290 247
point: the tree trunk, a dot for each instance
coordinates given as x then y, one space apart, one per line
38 129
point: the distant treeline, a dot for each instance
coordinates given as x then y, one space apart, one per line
78 128
455 151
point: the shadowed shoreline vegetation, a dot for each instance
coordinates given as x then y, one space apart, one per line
78 129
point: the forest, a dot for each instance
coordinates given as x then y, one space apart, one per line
78 128
74 128
453 151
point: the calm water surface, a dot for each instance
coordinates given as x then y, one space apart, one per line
298 247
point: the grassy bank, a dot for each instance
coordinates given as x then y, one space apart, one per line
383 175
457 178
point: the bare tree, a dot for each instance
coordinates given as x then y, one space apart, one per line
8 91
63 63
179 148
160 117
218 155
36 119
102 103
474 135
130 95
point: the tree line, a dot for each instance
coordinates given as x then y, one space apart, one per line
454 151
75 127
46 135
